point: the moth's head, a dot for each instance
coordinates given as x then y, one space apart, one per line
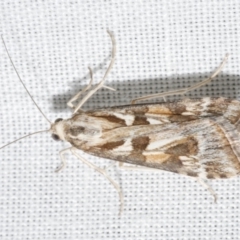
81 127
58 129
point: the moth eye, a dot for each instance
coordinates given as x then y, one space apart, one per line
58 120
55 137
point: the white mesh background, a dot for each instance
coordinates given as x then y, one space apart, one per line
161 45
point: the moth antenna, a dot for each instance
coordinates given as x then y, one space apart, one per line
39 109
30 134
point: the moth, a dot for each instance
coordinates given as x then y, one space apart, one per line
198 138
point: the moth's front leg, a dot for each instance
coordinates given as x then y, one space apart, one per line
75 97
98 86
63 159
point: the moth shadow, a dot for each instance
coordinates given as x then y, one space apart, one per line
223 85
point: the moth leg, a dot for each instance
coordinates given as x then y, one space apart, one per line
184 90
75 97
99 85
208 187
109 88
63 159
105 174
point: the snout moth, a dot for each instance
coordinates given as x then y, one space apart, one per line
198 138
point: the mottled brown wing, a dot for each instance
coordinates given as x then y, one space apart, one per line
161 113
199 138
205 147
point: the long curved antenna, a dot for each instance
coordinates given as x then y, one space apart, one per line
30 134
23 82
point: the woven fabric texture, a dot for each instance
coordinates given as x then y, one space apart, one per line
161 45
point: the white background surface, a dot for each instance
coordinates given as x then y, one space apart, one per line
161 45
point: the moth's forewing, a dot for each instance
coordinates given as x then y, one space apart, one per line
198 138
